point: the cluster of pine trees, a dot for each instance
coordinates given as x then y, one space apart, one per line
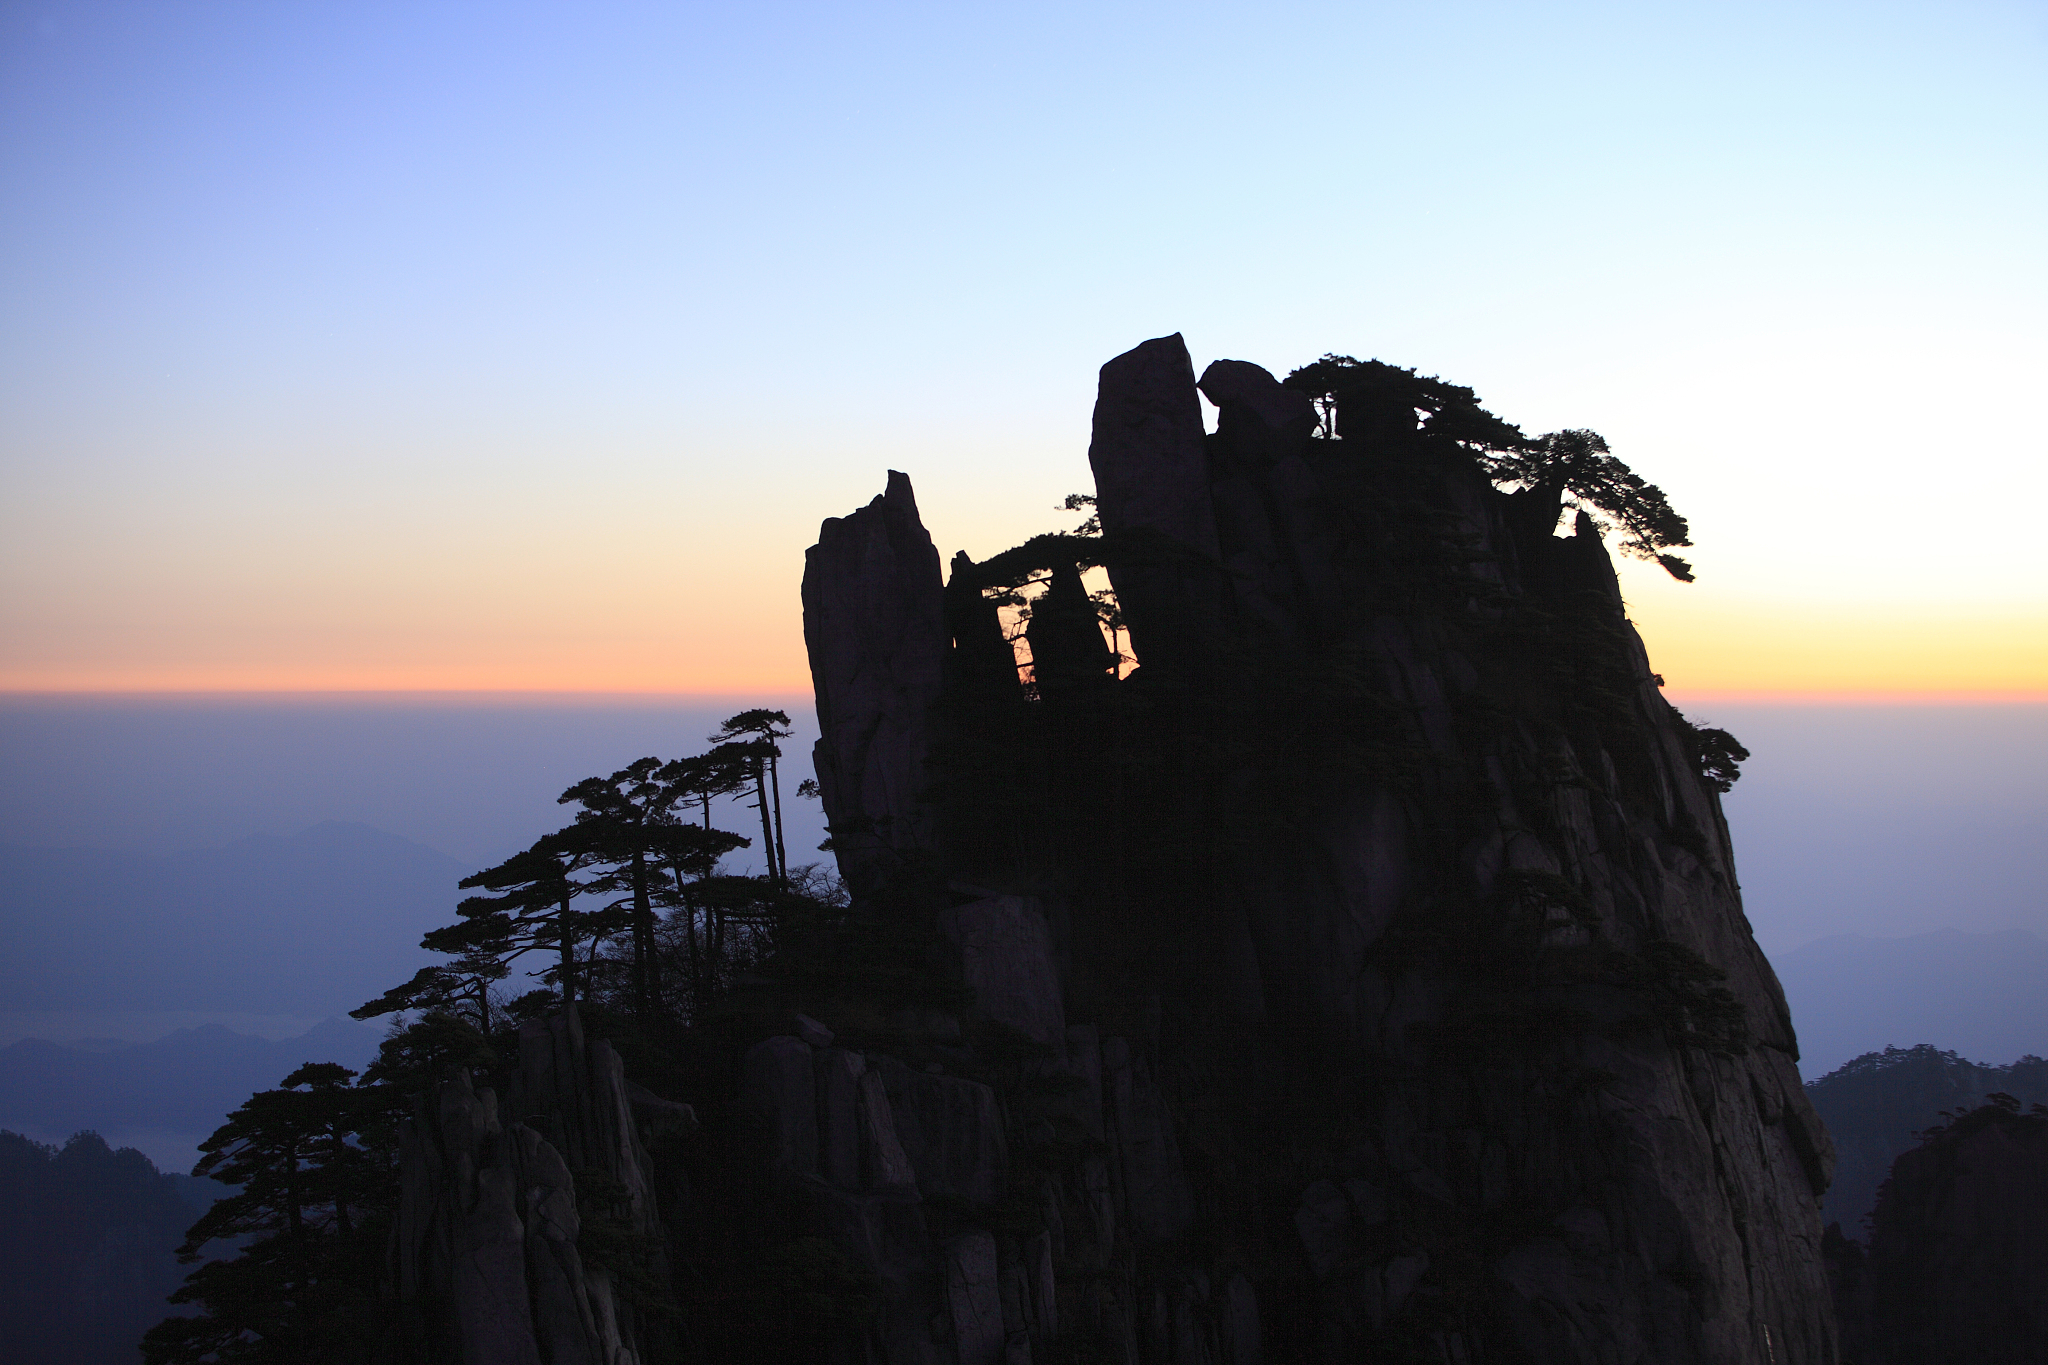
627 911
627 898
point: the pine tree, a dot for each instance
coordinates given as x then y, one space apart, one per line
313 1173
535 905
620 816
753 734
1389 408
1575 469
481 956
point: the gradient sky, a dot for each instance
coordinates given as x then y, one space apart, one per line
517 346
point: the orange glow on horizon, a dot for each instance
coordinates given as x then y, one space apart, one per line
1722 650
606 660
398 681
1705 647
1683 698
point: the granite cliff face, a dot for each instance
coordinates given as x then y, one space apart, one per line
1364 976
490 1254
877 638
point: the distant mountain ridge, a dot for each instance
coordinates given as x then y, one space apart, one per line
88 1243
1974 994
310 924
177 1089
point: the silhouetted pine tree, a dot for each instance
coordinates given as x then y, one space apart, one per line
753 734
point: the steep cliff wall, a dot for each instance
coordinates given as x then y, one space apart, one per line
1366 972
491 1258
874 622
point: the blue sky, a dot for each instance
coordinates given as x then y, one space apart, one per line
514 345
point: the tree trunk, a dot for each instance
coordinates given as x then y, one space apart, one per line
696 953
568 943
341 1219
644 967
781 847
767 830
294 1216
689 909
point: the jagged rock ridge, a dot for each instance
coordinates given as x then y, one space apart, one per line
875 627
1405 999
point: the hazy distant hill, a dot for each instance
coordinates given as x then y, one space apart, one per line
185 1083
309 925
88 1240
1975 994
1877 1106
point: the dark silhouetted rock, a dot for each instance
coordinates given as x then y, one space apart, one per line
1957 1271
839 1116
1848 1268
486 1247
875 625
1006 956
884 1163
780 1086
1414 1013
983 663
1156 1195
951 1131
976 1301
1272 525
1152 491
1255 412
657 1116
1877 1105
1068 654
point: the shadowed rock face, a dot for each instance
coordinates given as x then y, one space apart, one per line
874 623
1394 995
1152 492
1877 1106
486 1251
1957 1269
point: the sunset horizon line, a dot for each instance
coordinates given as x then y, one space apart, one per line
1789 696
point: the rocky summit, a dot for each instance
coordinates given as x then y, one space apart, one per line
1369 958
1283 920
